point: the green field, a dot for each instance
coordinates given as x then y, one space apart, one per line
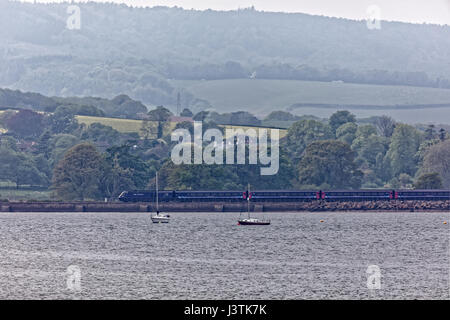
121 125
18 195
130 126
263 96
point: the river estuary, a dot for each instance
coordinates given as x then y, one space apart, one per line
208 256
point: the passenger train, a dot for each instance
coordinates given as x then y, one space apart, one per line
283 196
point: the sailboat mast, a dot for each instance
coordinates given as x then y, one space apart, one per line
248 200
157 194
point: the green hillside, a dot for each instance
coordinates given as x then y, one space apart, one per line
136 51
410 104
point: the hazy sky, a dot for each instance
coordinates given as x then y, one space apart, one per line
431 11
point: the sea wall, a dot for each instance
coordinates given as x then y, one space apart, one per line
225 207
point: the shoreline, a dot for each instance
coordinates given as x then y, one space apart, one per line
314 206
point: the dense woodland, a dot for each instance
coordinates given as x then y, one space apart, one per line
52 150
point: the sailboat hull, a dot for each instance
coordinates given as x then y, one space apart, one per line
157 219
253 222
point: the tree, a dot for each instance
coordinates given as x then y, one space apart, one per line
201 116
224 177
27 173
120 157
116 179
61 121
428 181
405 181
281 116
8 142
43 166
329 163
302 133
365 131
442 134
383 167
429 132
284 179
385 126
161 115
8 163
437 160
20 168
368 145
26 123
147 129
59 144
79 174
98 132
196 177
234 118
347 132
186 113
403 148
124 106
339 118
43 144
83 110
423 149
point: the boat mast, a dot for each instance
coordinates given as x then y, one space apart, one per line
157 199
248 200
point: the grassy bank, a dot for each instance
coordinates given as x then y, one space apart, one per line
21 195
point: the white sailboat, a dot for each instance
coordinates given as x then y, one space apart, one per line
251 221
159 217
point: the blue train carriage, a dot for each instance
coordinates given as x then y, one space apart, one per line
283 196
358 195
434 195
146 196
208 196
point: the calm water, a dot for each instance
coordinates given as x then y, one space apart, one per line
208 256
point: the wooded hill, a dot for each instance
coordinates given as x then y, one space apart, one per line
135 51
